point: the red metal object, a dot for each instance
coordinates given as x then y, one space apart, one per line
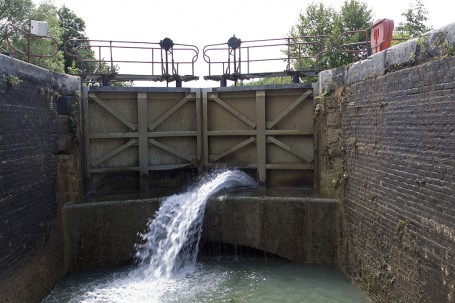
11 29
381 35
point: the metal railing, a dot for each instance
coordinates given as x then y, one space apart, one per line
242 58
294 56
163 61
246 60
11 30
100 60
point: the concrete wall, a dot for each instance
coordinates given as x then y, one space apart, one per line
104 233
32 134
299 229
387 140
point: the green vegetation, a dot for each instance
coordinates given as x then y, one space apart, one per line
13 11
414 26
14 81
316 19
328 23
269 81
74 118
19 13
73 28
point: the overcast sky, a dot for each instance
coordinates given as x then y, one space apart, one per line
202 22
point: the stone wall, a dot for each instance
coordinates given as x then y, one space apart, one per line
392 155
33 134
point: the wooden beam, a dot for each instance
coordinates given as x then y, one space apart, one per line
198 126
302 155
179 133
231 133
113 112
142 113
233 111
261 144
233 149
288 109
291 132
166 115
291 166
113 152
113 135
205 137
171 150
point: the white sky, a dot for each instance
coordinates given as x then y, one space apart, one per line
202 22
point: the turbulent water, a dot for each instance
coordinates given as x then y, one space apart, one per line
228 279
170 244
166 270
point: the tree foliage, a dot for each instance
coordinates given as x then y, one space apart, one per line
414 26
20 13
46 11
73 28
319 28
13 11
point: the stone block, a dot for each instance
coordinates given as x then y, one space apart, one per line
330 79
401 54
371 67
438 42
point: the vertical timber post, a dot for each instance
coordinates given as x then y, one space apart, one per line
198 127
143 141
261 140
205 138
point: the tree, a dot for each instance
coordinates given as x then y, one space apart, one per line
15 12
319 28
312 34
46 11
38 46
353 16
414 25
73 28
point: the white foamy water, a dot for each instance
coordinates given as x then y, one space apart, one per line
228 279
170 245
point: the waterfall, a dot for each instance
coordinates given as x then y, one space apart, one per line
171 241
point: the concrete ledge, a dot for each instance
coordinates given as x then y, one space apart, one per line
296 228
328 80
401 54
37 75
371 67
